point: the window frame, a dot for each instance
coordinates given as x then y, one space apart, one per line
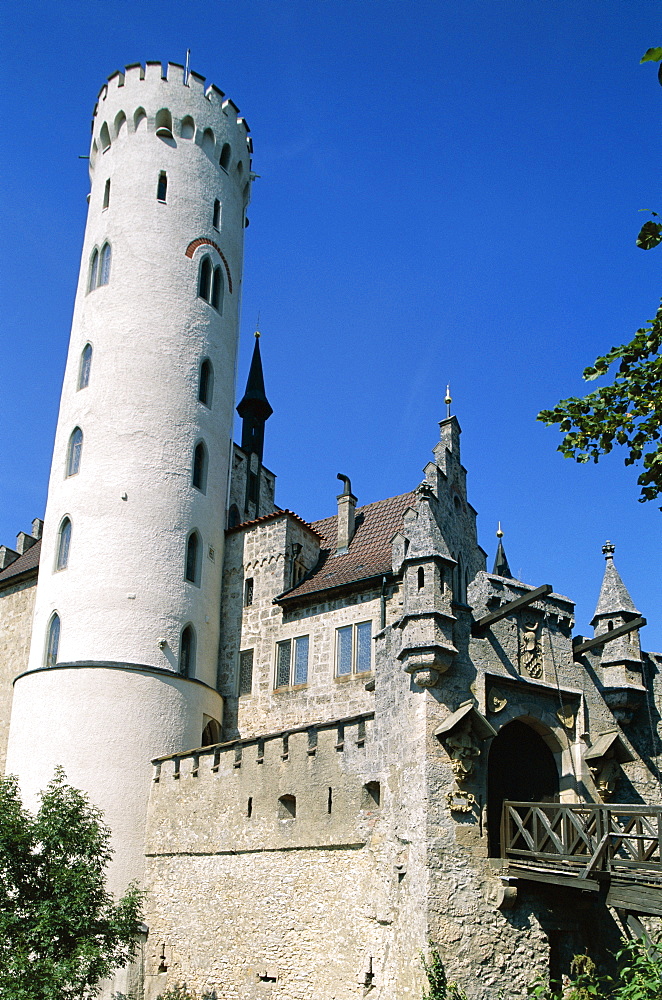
200 467
105 258
63 544
52 647
85 367
354 653
206 383
245 693
187 665
294 642
197 560
74 453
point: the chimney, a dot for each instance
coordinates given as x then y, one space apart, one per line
37 527
24 542
346 508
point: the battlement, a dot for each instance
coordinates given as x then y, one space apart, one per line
173 105
314 785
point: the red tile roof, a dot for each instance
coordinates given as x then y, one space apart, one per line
369 553
28 561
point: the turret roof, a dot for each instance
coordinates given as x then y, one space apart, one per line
501 567
255 398
614 596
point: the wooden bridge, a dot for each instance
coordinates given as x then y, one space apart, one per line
588 846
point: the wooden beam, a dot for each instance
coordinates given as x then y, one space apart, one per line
506 609
579 648
553 877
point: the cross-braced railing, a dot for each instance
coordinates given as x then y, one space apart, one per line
585 836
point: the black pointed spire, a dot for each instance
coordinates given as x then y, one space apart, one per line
254 409
501 567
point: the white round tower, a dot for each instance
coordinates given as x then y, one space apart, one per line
123 662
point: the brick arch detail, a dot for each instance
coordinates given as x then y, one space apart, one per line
202 241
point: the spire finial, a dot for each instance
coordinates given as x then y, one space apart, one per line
257 334
608 550
499 532
448 400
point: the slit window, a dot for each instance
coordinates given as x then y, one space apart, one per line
217 215
225 156
292 661
193 558
354 649
421 578
63 544
85 367
248 592
75 452
106 194
162 186
204 279
206 383
104 264
187 652
200 467
217 289
245 672
52 641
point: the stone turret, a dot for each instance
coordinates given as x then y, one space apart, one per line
125 640
620 659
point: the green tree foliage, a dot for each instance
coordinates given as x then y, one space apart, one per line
61 932
628 412
639 977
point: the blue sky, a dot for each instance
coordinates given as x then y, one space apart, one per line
448 192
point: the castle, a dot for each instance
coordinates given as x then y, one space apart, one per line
301 734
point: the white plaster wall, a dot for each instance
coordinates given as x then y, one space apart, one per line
104 725
124 587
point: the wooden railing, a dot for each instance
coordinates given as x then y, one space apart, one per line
584 838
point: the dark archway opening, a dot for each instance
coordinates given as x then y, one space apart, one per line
521 767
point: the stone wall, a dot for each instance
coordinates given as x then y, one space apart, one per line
16 607
249 902
262 555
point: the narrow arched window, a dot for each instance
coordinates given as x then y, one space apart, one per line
104 136
94 271
208 141
104 264
188 127
63 544
106 194
85 367
120 123
217 289
75 452
216 221
240 168
187 652
234 517
225 156
163 124
193 558
421 578
200 467
52 641
206 384
204 281
139 119
162 186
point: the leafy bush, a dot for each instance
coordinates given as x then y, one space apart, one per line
639 977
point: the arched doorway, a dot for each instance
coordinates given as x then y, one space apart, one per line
521 767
